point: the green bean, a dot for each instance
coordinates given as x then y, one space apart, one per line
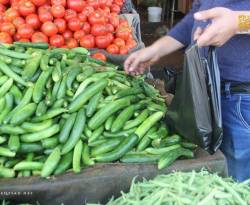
181 188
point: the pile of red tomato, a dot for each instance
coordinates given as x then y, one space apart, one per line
67 23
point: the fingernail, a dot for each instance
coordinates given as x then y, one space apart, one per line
197 15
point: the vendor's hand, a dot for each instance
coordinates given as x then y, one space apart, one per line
139 61
224 26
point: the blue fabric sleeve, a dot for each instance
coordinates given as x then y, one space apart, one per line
183 30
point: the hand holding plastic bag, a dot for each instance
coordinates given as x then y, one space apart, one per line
195 111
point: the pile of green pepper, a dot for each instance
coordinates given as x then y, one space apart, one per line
62 110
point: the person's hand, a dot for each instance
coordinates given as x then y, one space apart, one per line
139 61
224 26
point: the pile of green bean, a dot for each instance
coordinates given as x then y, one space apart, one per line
62 110
180 188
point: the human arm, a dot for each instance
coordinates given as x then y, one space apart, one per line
140 60
225 24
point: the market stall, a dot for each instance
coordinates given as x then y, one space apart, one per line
74 127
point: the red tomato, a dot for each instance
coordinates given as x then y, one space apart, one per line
5 38
93 3
88 10
11 14
115 8
99 56
25 31
113 49
118 2
24 40
16 37
100 12
69 14
86 27
102 41
114 20
96 18
58 11
44 8
45 16
2 17
67 34
76 5
39 2
87 41
106 10
49 28
8 28
130 37
18 21
56 40
102 3
109 3
111 37
26 7
123 22
79 34
33 21
119 42
123 50
123 32
2 8
98 30
39 37
58 2
110 28
13 1
131 43
61 25
82 17
15 5
4 2
74 24
71 43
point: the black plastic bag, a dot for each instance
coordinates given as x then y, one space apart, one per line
195 111
168 74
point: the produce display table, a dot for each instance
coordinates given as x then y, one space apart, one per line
99 183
